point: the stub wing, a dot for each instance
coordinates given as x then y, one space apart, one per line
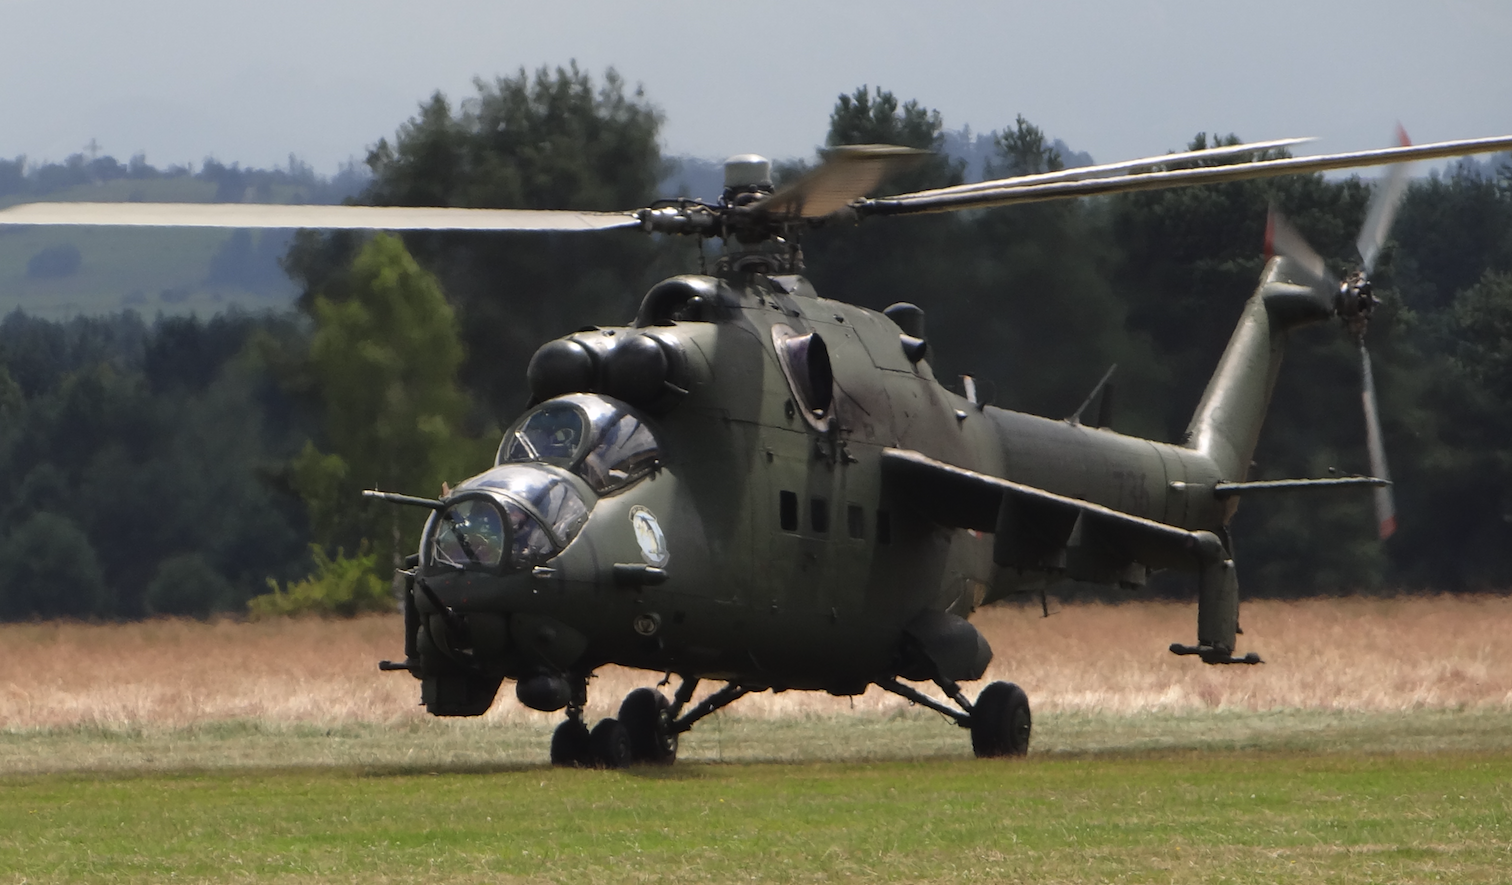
1034 528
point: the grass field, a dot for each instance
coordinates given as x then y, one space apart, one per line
1168 817
1376 746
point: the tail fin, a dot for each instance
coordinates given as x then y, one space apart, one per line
1226 425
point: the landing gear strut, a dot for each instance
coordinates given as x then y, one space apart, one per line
999 721
572 743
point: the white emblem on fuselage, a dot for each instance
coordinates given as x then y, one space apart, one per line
648 535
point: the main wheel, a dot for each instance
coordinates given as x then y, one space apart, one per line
571 746
611 744
1000 721
646 715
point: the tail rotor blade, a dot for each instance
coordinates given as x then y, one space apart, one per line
1384 505
1383 208
1282 239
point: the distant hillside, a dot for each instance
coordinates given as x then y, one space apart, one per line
60 272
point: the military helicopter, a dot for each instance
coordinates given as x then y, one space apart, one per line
752 484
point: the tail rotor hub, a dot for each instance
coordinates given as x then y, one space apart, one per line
1355 302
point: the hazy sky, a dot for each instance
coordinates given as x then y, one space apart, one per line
252 82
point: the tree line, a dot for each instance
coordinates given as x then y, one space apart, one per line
20 178
179 466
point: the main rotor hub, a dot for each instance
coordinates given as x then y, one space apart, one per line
747 172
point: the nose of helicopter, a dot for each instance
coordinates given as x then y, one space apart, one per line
558 555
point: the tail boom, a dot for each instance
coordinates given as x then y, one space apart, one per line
1226 425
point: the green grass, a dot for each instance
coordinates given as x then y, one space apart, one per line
1213 797
912 735
1221 817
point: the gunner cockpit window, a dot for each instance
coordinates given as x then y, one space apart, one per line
510 518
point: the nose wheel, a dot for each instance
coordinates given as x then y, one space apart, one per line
610 743
571 744
643 733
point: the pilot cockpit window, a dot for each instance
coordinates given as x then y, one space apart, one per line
595 437
625 450
553 434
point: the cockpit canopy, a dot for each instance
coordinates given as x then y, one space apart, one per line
533 502
513 517
597 438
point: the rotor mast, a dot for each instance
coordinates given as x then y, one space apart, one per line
754 247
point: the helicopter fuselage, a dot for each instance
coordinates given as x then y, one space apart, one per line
764 544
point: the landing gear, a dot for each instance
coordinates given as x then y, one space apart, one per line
646 716
570 745
645 732
606 746
611 744
1000 721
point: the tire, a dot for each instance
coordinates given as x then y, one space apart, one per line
646 717
1000 722
611 745
571 746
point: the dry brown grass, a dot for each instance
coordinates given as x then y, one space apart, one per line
1355 655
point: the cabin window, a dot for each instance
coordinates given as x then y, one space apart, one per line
819 515
855 521
787 511
884 528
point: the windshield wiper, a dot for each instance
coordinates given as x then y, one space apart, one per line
529 449
461 536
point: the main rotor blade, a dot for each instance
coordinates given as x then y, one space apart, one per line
922 202
1282 239
1384 203
1384 506
847 173
1080 172
268 215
